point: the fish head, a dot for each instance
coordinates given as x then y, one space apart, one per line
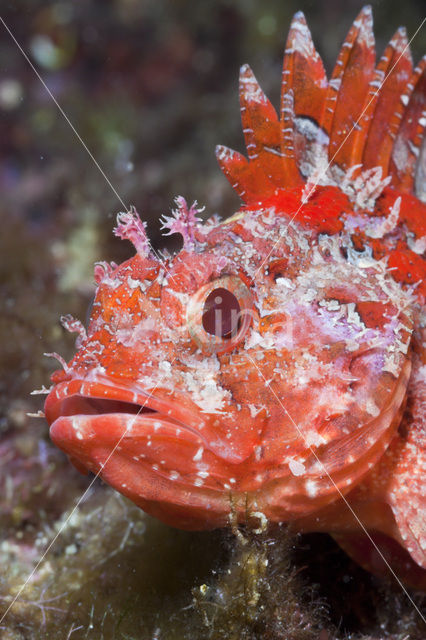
260 367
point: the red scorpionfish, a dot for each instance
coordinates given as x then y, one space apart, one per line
276 365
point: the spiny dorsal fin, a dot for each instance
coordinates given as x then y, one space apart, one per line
291 173
319 121
407 146
303 90
383 115
260 127
348 88
247 181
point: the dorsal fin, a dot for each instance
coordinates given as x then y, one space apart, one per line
348 89
407 145
291 173
364 117
303 91
260 127
383 116
303 72
247 181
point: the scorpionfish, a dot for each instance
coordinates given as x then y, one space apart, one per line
275 367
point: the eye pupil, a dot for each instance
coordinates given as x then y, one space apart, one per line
221 314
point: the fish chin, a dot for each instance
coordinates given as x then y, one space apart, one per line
145 459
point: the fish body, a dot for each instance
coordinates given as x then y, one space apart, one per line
276 365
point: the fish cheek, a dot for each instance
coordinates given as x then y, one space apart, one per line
361 368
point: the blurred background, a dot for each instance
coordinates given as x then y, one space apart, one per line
151 86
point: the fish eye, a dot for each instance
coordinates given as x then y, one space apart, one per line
219 314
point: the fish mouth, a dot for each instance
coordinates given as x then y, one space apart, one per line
87 417
146 446
84 397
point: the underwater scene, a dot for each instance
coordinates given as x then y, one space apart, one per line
213 320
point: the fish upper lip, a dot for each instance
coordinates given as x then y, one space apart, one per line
108 392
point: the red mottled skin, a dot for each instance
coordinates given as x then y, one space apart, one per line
318 398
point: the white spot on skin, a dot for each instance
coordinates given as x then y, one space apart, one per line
76 428
312 438
311 488
254 410
297 468
199 454
165 367
285 282
372 408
